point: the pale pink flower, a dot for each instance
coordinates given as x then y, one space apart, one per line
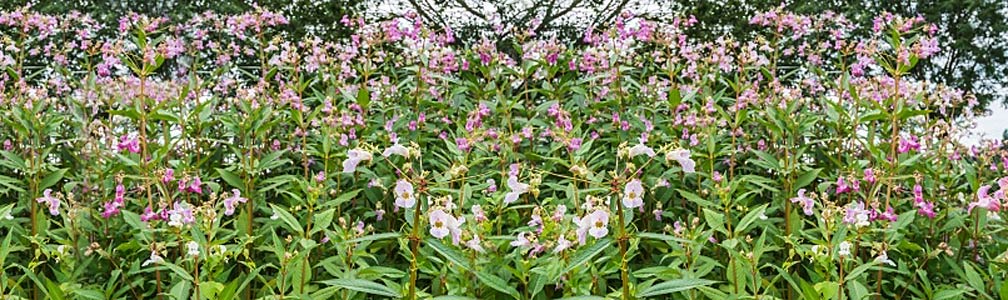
405 197
683 157
396 149
641 149
517 189
633 194
229 202
594 224
52 202
984 200
354 157
443 224
806 202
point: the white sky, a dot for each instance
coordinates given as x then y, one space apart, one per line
990 126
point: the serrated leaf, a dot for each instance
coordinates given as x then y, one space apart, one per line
672 286
287 218
452 254
364 286
498 284
583 255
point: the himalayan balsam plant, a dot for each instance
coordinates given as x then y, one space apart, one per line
216 159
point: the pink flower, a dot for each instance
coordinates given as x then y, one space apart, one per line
807 203
128 143
984 200
478 213
925 208
475 244
180 215
396 149
196 186
229 202
148 215
869 175
574 144
888 215
562 244
841 186
559 213
521 241
491 186
169 175
857 215
52 202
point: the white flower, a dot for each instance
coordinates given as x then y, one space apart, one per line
594 224
884 258
641 149
633 194
683 157
517 189
154 259
275 216
354 157
404 194
396 149
844 249
193 248
443 224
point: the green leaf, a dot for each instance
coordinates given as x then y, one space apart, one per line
231 178
672 286
950 294
715 220
287 218
364 286
322 220
51 179
178 270
807 178
827 289
662 237
750 218
89 294
373 237
452 254
583 255
344 197
498 284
